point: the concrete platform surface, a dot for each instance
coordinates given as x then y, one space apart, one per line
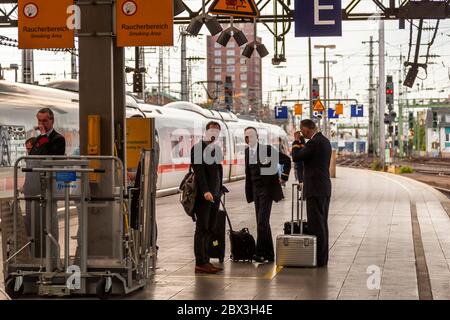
389 239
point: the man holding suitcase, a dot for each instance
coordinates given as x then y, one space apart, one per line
206 159
316 155
263 186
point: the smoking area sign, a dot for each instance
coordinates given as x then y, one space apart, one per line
144 23
45 24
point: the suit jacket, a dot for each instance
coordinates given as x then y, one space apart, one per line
270 182
316 155
208 175
53 145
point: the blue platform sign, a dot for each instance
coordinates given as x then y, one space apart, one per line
357 110
281 112
318 18
69 176
332 114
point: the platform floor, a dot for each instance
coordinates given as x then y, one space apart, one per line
376 248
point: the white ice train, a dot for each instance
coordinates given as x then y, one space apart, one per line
179 125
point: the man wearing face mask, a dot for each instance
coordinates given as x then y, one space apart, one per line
263 186
206 159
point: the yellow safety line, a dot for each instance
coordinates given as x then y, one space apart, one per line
268 276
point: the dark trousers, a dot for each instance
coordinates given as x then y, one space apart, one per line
317 211
206 214
264 242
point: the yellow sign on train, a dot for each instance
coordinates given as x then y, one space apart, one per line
139 136
46 24
143 23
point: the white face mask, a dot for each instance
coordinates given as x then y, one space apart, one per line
212 134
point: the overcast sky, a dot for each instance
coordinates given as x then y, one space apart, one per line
350 74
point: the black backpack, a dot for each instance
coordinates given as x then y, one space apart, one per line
188 193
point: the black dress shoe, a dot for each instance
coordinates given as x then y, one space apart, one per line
258 258
271 259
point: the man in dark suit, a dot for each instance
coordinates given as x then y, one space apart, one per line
48 143
263 186
316 156
206 159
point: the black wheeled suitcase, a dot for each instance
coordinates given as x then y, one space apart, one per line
216 248
242 243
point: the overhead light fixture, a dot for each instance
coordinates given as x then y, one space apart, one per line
211 23
194 26
411 76
224 37
250 47
234 32
260 48
248 50
178 7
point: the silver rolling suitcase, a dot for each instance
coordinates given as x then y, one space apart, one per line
296 250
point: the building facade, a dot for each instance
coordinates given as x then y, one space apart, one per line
245 73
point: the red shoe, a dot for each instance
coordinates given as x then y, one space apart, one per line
205 268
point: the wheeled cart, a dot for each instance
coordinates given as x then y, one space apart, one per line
86 200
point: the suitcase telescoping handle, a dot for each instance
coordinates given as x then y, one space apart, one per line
225 211
301 207
298 197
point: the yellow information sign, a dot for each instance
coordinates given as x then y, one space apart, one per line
45 24
298 109
318 106
235 8
339 109
144 23
138 137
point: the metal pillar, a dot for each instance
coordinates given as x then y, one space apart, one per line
382 95
73 66
310 79
325 112
184 80
400 110
102 92
27 66
370 135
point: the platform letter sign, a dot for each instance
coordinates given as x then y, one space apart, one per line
281 112
318 18
45 24
332 114
357 110
144 23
